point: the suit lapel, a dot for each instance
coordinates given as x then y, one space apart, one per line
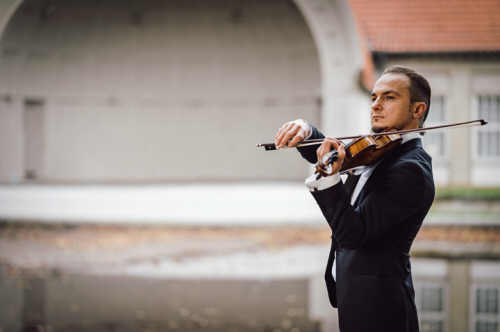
350 183
412 144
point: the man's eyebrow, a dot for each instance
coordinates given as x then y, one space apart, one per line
387 92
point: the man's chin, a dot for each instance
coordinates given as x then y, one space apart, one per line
376 129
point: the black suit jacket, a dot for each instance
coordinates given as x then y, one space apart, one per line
373 290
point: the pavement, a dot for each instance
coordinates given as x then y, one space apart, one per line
212 252
165 251
207 228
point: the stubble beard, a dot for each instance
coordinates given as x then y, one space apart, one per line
377 130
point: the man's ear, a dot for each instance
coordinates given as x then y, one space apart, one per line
419 109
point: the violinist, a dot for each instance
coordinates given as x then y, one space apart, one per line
376 214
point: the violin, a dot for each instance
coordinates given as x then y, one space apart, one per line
366 150
360 152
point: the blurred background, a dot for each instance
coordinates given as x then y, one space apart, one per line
133 198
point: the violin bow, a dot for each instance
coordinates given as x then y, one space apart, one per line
310 142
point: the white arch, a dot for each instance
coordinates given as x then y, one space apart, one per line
7 9
334 31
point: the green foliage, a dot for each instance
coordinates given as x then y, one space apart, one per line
468 193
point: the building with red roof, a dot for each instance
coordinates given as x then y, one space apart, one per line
439 26
456 44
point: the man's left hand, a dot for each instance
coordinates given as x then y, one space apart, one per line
329 144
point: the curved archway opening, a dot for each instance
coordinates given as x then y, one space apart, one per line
159 91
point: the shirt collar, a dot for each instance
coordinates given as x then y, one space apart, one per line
409 137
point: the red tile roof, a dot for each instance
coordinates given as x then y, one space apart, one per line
429 25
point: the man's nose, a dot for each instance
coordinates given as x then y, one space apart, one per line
376 106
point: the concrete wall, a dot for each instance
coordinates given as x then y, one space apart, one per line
158 90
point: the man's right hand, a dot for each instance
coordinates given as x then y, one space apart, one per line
292 133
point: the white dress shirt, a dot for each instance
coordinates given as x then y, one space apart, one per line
365 173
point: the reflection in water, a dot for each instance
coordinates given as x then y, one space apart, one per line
451 295
118 303
33 315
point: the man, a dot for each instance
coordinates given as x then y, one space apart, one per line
374 217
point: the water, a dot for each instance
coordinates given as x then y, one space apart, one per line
48 301
149 279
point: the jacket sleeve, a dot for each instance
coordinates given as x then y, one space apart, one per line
309 152
399 195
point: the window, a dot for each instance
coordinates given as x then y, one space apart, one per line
488 137
435 141
486 314
34 115
430 299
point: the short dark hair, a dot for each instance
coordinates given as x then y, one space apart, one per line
420 89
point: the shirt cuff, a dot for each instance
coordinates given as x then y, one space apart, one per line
310 133
322 183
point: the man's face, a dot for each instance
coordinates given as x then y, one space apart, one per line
390 107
